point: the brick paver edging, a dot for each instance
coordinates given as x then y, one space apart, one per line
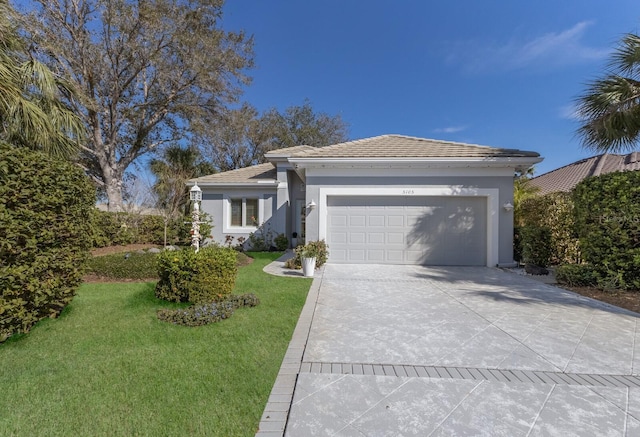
499 375
276 412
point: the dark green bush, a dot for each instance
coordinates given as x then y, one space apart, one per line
45 229
577 275
607 214
121 266
203 277
536 245
204 314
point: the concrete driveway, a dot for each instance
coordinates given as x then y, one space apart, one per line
419 351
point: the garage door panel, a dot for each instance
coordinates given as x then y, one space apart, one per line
376 220
395 238
408 230
375 238
357 237
396 221
338 220
357 220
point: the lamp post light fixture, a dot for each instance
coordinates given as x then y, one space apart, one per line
195 194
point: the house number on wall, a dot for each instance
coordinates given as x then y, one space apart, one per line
407 191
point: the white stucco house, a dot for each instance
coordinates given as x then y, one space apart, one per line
389 199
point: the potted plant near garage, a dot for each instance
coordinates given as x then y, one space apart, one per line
311 256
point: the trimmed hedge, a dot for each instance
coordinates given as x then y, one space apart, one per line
124 266
577 275
204 314
203 277
554 212
121 228
45 223
536 245
607 215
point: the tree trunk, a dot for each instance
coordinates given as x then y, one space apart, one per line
113 189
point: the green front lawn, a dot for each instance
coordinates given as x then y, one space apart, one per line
108 367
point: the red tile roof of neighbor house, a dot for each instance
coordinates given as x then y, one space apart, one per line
567 177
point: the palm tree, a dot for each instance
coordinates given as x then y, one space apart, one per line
610 107
32 113
172 171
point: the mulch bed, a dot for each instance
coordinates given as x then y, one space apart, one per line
629 300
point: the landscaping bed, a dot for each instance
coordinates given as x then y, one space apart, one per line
629 300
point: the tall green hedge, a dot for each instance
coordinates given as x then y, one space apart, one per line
553 212
45 228
203 277
120 228
607 214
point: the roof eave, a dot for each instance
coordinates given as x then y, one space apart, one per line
270 183
518 162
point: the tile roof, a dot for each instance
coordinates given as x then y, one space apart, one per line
567 177
257 174
400 146
288 151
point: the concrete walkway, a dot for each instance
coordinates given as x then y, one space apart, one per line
410 350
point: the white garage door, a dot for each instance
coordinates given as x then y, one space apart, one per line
429 230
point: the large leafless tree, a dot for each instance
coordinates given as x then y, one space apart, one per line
242 136
149 72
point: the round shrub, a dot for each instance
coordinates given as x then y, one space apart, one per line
45 223
203 277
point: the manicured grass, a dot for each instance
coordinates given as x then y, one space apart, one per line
108 367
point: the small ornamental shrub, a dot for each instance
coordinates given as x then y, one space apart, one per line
536 245
281 242
203 277
607 214
262 239
313 249
204 314
45 236
577 275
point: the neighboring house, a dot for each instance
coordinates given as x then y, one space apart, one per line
567 177
389 199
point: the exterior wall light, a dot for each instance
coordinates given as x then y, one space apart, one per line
311 204
508 206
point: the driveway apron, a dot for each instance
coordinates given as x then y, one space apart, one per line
428 351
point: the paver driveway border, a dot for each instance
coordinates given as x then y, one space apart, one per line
274 419
275 415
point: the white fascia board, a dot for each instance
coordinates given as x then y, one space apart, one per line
413 162
261 184
412 172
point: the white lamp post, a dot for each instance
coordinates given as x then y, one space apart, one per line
195 194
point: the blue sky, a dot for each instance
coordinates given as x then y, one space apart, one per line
497 73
